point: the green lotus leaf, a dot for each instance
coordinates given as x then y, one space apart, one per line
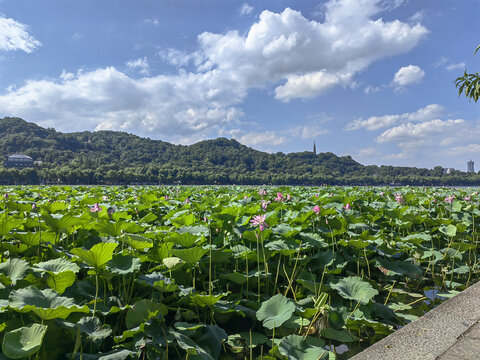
354 288
190 346
98 255
137 242
338 335
450 230
56 266
397 267
199 230
93 328
107 227
60 223
173 263
15 269
35 238
191 256
275 311
212 338
124 264
46 304
8 224
159 281
23 342
205 300
295 347
60 282
142 311
257 338
236 277
185 240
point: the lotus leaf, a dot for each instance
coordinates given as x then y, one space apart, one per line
354 288
124 264
15 269
295 347
46 304
142 311
98 255
275 311
23 342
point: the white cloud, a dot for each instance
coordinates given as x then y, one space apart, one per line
140 64
427 113
465 149
170 107
246 9
411 134
367 152
459 66
15 36
151 21
408 75
261 139
300 58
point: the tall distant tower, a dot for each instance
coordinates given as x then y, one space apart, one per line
470 166
314 149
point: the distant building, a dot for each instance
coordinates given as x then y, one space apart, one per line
18 160
314 149
448 170
470 166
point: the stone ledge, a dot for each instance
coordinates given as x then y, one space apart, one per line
435 334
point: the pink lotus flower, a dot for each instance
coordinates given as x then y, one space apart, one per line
245 197
34 206
166 197
467 198
399 198
381 193
449 199
316 209
95 208
347 207
279 197
104 197
259 221
288 197
265 204
187 201
434 200
262 192
5 196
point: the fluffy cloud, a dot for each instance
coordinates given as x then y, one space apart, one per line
308 56
246 9
15 36
140 64
107 99
300 58
408 75
377 122
410 134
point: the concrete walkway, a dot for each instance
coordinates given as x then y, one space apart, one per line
451 331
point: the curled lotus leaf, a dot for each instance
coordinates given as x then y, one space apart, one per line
23 342
56 266
46 304
14 269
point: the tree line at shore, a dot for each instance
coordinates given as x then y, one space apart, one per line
109 157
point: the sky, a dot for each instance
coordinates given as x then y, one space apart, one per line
374 79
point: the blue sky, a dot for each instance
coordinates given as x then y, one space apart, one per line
373 79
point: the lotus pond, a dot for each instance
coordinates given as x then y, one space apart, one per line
225 272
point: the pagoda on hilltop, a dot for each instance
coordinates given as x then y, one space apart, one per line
314 149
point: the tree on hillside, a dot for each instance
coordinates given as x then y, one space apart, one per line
469 83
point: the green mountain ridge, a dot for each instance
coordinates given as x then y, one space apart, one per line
118 157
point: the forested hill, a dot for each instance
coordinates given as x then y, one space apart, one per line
118 157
